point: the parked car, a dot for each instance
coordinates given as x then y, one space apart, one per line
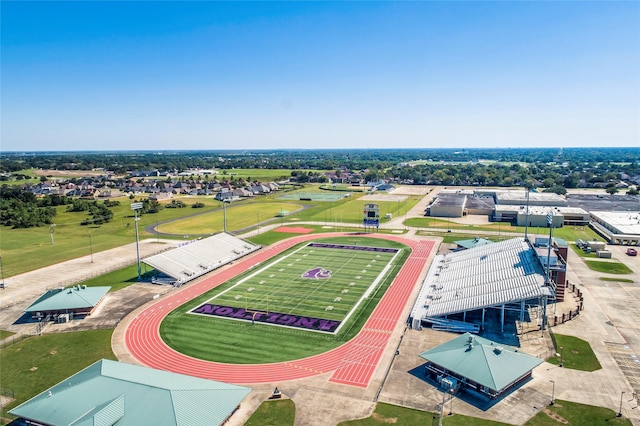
632 252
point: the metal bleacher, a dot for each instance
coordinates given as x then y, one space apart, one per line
199 257
481 277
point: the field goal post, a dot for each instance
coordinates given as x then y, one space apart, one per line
255 312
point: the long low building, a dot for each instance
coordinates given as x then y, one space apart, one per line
537 215
617 227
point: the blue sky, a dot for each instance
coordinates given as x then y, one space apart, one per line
219 75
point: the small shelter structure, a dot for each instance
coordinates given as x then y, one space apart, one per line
70 301
479 365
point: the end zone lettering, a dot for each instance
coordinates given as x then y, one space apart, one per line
276 318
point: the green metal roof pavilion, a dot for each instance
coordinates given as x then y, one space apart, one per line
114 393
482 361
61 299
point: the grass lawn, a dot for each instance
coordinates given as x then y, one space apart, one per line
615 279
281 412
572 413
608 267
120 278
574 352
582 253
568 233
256 174
240 215
27 249
386 414
4 334
349 210
37 363
217 339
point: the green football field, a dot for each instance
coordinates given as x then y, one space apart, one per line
317 280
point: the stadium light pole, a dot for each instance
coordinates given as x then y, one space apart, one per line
224 215
526 223
90 247
2 271
620 409
550 223
135 207
451 404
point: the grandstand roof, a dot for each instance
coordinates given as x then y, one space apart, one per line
109 392
61 299
481 360
480 277
196 258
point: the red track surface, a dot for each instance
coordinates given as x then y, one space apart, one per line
352 363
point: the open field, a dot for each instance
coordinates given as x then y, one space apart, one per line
31 248
568 233
217 339
239 216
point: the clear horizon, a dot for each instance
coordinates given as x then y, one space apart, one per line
167 76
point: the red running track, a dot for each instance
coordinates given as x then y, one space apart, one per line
352 363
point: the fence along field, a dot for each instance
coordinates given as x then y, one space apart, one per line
316 287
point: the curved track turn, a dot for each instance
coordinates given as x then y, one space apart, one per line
352 363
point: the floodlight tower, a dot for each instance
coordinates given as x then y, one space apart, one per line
135 207
526 224
547 280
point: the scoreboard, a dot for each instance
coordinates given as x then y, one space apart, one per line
371 213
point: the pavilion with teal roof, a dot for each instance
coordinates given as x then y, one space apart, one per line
114 393
478 364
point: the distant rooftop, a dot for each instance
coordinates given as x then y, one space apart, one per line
621 222
534 197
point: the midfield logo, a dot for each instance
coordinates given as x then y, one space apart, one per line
317 273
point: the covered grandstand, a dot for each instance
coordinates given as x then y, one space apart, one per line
197 258
503 275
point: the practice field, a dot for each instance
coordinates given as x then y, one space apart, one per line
315 196
317 287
